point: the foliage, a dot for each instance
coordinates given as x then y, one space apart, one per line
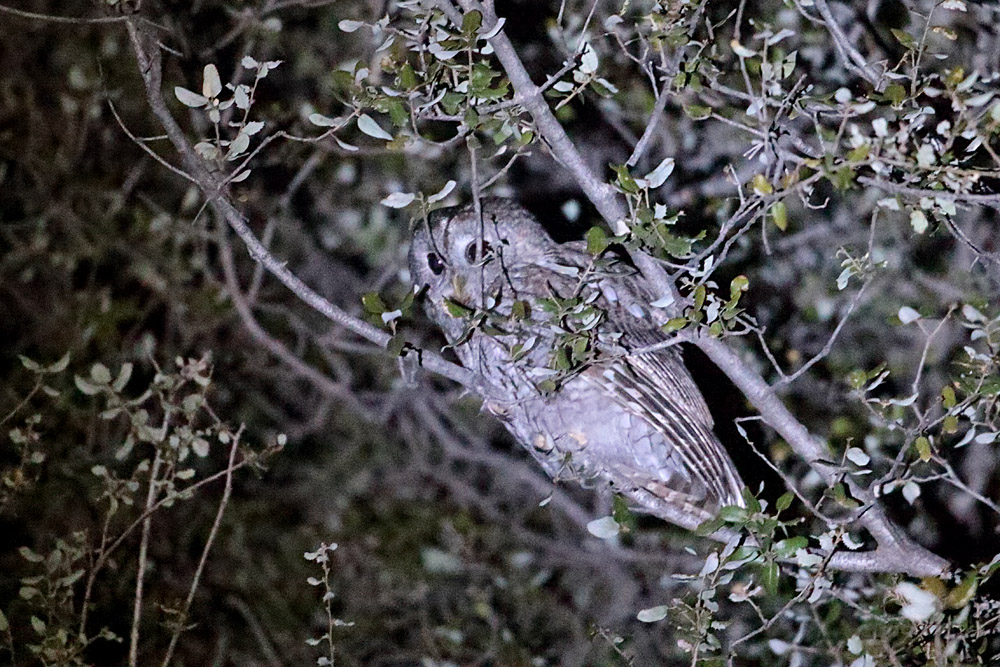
816 180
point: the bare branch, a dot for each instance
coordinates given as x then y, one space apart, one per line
227 491
68 20
983 199
853 60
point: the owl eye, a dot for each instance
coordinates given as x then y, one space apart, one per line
470 251
435 263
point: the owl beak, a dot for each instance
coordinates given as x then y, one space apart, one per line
458 288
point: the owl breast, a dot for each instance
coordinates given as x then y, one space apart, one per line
577 433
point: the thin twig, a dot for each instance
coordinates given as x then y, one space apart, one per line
67 20
133 648
850 56
212 534
822 354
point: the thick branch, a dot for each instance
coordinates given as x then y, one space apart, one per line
604 197
896 552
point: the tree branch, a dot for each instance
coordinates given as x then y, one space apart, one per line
150 68
851 57
603 196
896 552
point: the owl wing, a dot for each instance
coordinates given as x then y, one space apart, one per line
657 387
654 386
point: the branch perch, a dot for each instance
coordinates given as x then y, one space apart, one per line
896 551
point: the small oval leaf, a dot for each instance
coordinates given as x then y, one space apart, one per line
368 125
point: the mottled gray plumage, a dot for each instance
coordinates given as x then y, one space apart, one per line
635 420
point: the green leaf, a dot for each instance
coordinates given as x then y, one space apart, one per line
733 514
761 185
397 345
959 596
950 424
625 180
100 374
859 153
895 93
904 38
4 624
123 377
471 22
604 528
408 77
547 386
753 505
785 501
779 215
561 360
675 245
698 112
842 179
674 324
769 576
948 397
373 303
368 125
788 547
455 309
875 372
709 526
857 378
30 556
841 495
597 241
33 366
600 86
700 292
653 614
622 514
38 625
923 446
397 113
71 579
738 285
190 99
452 100
211 84
59 366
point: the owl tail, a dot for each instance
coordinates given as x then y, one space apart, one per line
671 505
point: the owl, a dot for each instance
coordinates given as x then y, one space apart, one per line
571 360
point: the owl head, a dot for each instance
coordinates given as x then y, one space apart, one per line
459 256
